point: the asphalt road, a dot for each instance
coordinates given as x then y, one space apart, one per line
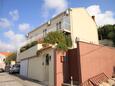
11 80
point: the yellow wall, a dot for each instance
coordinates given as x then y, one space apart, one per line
83 26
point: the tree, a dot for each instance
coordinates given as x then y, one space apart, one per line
107 32
111 35
10 58
62 40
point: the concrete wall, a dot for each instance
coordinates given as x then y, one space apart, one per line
96 59
28 53
83 26
36 67
106 42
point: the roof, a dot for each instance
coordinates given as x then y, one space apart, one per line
96 80
5 53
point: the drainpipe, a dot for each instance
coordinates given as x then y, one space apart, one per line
78 59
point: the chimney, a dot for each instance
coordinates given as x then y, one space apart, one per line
93 17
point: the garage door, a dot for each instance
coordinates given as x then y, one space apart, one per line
36 68
24 68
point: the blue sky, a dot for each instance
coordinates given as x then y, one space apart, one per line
17 17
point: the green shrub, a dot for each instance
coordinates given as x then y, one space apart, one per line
62 40
34 43
29 45
62 46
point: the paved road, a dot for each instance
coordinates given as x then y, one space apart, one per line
11 80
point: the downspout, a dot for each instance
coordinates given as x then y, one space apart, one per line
71 26
79 62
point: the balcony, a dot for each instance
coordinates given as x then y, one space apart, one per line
29 52
66 24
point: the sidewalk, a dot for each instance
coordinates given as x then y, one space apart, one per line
12 80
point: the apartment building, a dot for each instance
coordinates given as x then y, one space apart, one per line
74 21
44 64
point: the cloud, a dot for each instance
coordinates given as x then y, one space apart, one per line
102 18
57 5
14 14
4 23
24 27
15 40
6 47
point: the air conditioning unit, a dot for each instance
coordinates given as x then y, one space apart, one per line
27 35
49 22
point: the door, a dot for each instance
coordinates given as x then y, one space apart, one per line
24 68
47 58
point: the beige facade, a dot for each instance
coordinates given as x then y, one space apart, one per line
83 26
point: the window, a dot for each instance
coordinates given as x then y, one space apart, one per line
48 58
58 25
44 32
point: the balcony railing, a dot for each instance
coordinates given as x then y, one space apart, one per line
66 23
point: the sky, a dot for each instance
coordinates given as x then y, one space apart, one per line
18 17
